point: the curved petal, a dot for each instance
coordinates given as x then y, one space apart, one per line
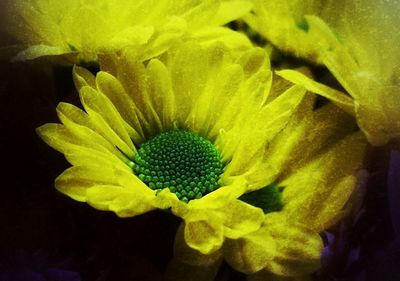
105 117
161 93
231 10
339 98
243 149
83 77
123 202
291 149
40 50
112 88
204 231
317 192
188 255
279 246
65 141
241 219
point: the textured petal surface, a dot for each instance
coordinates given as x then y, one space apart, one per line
188 255
92 28
358 43
280 246
316 193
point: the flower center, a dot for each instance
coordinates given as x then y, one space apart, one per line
182 161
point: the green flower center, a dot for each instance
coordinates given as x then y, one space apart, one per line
268 198
187 164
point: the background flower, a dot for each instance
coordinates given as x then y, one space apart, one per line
84 29
355 40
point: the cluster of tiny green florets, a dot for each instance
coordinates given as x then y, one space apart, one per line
186 163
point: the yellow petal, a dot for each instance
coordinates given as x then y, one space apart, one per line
231 189
81 127
124 202
218 93
134 35
39 51
65 141
160 91
262 127
131 73
168 35
232 39
280 246
241 219
83 77
231 10
105 116
188 82
318 191
112 88
339 98
291 149
204 231
190 256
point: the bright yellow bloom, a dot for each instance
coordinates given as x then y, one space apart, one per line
357 41
315 160
83 29
203 92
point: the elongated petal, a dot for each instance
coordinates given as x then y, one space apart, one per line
107 119
113 89
39 51
65 141
161 93
337 97
125 203
83 77
276 114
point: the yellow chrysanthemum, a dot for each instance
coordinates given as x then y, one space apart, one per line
186 132
356 40
85 28
314 161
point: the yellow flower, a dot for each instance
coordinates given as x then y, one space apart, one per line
356 40
185 132
314 161
83 29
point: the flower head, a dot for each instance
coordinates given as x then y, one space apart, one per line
185 132
84 29
310 174
356 41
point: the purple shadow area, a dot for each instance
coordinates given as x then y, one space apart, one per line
394 191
